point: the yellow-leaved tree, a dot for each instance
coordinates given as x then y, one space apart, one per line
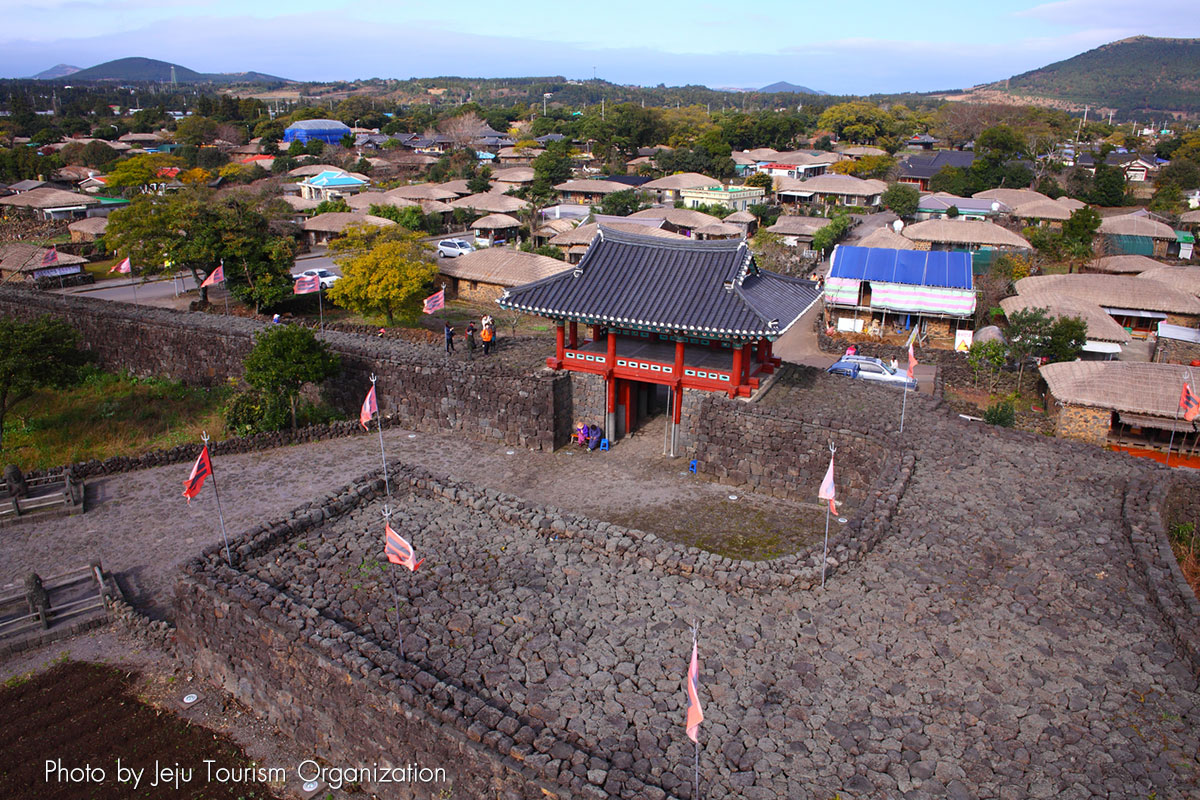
385 270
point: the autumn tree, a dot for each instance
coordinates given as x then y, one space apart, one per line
139 171
384 271
284 358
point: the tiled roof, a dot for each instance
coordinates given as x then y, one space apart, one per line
710 288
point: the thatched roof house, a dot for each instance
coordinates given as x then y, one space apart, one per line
885 238
1185 279
422 191
678 220
970 233
23 261
485 274
1100 326
1136 225
1048 210
719 230
490 202
577 241
323 227
48 203
1012 197
1135 303
88 229
1123 265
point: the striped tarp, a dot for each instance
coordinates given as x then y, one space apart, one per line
922 299
842 291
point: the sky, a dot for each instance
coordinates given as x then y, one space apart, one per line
858 48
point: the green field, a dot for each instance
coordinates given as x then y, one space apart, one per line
108 415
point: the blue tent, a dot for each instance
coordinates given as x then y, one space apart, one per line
329 131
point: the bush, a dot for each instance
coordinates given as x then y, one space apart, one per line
254 412
1000 413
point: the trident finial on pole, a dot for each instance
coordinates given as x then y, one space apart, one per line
387 513
204 437
832 447
373 379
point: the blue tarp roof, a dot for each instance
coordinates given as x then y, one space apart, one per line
945 268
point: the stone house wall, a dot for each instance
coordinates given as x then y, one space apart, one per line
1084 423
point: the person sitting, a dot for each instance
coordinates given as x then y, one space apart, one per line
581 434
595 434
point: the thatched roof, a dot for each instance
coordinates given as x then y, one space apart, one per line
553 227
1011 197
1043 209
1190 216
885 238
1135 386
1126 264
1115 291
1100 326
513 175
762 153
861 150
501 266
495 222
308 170
741 217
830 183
459 187
1136 225
491 202
434 206
1185 279
299 203
719 229
422 191
338 221
364 200
585 233
91 225
964 231
45 197
678 217
791 225
684 180
1071 203
591 186
801 158
26 257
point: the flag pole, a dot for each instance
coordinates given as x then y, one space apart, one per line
1171 443
696 791
226 287
382 456
903 406
387 519
220 513
825 554
320 304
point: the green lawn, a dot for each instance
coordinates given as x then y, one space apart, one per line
100 269
108 415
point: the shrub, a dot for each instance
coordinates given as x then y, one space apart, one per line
1000 413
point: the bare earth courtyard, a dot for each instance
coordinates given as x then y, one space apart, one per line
998 642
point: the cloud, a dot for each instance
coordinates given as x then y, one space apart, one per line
1163 17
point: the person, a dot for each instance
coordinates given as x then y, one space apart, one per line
489 333
275 320
851 350
486 321
382 331
449 338
895 365
471 336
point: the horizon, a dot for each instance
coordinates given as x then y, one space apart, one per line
888 54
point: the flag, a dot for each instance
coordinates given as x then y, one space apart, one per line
216 277
399 551
369 407
1189 403
912 361
828 491
307 285
201 470
695 714
50 256
435 301
124 267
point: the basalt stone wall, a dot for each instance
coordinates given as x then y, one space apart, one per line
1152 504
926 355
1176 351
419 387
587 395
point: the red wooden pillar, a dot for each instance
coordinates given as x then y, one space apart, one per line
574 340
610 408
595 333
559 335
626 395
612 351
737 372
678 361
745 378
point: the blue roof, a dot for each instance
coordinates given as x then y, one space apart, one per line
332 178
946 268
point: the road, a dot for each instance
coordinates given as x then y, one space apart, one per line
163 293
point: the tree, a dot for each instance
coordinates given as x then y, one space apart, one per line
1028 334
622 203
986 357
195 177
32 355
335 205
902 199
384 271
761 180
552 167
140 171
480 182
1067 337
284 358
197 230
825 238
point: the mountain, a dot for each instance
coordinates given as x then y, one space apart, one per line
1137 75
784 86
133 70
57 71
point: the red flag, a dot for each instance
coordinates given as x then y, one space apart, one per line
216 277
307 285
201 470
435 301
912 361
50 256
1189 403
124 267
828 491
695 714
398 550
369 408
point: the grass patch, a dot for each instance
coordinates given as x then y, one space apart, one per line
100 270
108 415
1183 543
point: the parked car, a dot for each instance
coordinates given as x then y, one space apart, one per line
327 277
453 248
872 369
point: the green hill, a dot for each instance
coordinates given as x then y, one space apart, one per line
1141 74
136 70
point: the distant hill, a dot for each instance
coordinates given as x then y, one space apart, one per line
1131 76
784 86
57 71
136 69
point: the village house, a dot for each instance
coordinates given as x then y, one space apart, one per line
884 293
737 198
47 204
919 169
1105 338
667 189
331 185
1137 304
588 191
1136 233
831 189
88 229
798 231
495 229
1121 265
23 262
323 228
491 202
985 241
643 322
677 220
939 205
575 242
484 275
799 164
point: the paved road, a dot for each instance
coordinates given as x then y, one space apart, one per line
168 293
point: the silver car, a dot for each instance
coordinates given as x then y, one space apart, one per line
453 248
872 369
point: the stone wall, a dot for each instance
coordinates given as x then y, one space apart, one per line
419 387
1175 351
587 396
1084 423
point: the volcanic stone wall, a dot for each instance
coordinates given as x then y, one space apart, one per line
419 387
